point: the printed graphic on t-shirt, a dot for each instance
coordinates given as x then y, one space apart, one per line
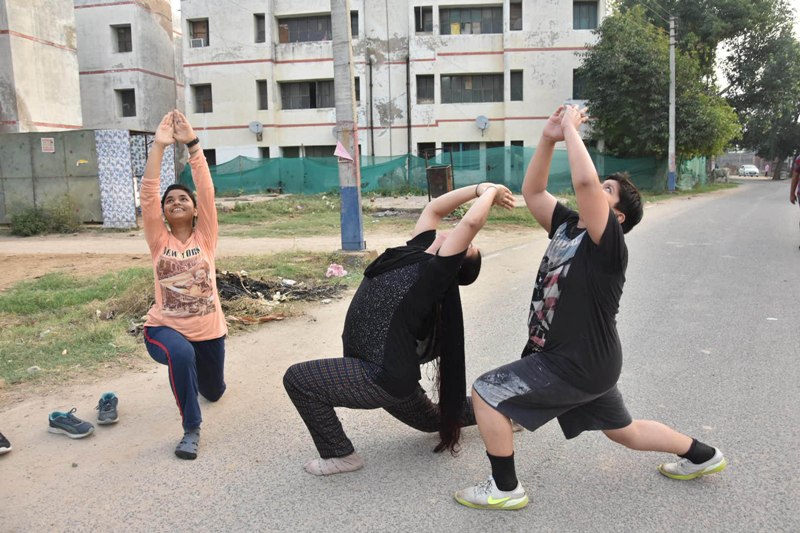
185 284
553 272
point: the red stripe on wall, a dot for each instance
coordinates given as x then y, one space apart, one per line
42 124
37 40
112 71
394 126
89 6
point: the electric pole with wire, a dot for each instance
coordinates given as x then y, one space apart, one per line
671 146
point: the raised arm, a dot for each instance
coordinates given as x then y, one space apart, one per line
534 189
206 209
592 201
151 182
471 223
440 207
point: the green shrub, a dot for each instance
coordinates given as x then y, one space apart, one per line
60 216
31 221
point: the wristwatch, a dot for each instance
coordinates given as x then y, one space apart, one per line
192 143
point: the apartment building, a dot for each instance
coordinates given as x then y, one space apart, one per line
459 74
126 55
39 89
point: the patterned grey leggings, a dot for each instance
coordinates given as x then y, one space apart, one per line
316 387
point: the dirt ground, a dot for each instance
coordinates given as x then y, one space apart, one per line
98 252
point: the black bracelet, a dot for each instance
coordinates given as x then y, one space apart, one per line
476 191
192 143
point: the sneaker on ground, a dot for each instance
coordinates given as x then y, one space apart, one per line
334 465
5 446
486 495
70 425
107 409
685 469
187 447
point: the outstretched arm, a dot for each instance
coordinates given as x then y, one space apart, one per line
206 210
151 182
592 201
534 189
471 223
440 207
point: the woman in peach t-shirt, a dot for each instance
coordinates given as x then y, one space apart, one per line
185 328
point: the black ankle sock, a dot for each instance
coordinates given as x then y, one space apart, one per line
503 472
699 452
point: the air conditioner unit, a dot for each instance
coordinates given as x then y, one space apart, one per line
198 43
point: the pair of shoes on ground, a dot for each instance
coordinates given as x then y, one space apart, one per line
5 446
486 495
73 427
334 465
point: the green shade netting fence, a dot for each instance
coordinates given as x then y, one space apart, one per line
507 165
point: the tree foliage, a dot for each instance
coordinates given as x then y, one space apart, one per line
703 25
627 83
769 107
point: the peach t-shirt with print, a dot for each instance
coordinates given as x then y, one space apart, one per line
185 273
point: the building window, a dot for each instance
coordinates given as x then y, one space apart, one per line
470 160
515 16
307 94
584 15
354 24
578 85
123 36
211 156
304 29
516 85
425 89
261 91
472 88
127 102
471 20
517 154
426 148
319 151
357 86
203 102
198 33
423 19
290 151
260 27
263 152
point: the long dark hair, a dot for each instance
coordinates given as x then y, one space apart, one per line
450 380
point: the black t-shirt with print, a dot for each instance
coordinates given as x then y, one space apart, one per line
572 321
390 312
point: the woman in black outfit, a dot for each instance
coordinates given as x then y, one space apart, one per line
406 312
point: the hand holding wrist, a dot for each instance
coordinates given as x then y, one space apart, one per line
483 187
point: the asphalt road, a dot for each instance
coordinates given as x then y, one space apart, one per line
710 342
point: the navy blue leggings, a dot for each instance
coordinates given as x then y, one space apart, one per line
194 367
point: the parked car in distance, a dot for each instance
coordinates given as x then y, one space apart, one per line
749 170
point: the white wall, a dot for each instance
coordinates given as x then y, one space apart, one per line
546 50
149 68
39 88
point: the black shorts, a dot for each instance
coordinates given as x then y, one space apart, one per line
528 392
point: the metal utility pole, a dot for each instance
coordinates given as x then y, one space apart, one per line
347 127
671 148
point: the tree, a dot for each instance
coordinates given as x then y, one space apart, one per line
704 25
627 84
769 67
